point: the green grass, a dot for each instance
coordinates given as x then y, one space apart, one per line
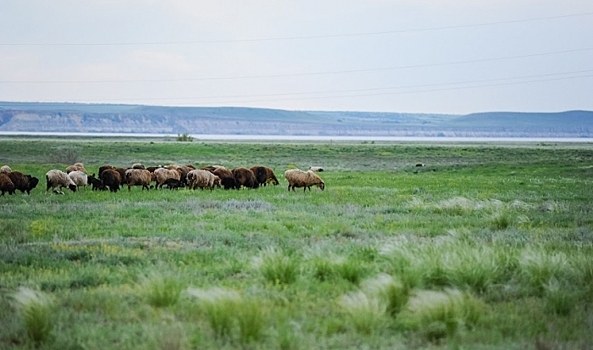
487 246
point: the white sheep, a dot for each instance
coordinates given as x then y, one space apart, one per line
306 179
79 178
5 169
139 177
200 178
316 169
163 174
57 179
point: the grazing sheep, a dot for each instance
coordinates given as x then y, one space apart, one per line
138 166
6 184
199 178
22 182
103 168
5 169
162 174
264 175
227 180
111 178
244 177
306 179
139 177
57 179
96 184
183 171
316 169
76 167
173 184
79 178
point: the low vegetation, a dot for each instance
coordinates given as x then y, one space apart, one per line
485 246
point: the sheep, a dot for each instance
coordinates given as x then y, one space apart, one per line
22 182
227 180
244 177
57 179
138 166
199 178
6 184
79 178
111 178
316 169
76 167
305 179
103 168
5 169
162 174
97 185
173 184
264 175
139 177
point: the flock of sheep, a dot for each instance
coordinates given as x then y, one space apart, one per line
173 176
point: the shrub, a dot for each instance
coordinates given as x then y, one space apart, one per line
184 137
35 309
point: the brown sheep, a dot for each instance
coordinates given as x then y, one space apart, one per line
139 177
76 167
22 182
6 184
264 175
104 167
111 178
306 179
226 176
244 177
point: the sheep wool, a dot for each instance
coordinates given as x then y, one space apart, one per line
57 179
306 179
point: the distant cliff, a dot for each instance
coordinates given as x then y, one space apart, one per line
104 118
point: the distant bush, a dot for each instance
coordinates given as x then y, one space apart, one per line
184 137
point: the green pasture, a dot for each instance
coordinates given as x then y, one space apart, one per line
486 246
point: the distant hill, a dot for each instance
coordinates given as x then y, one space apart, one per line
113 118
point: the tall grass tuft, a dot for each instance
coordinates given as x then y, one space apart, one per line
220 306
350 270
559 301
278 268
35 309
390 290
160 290
365 311
252 319
441 314
538 267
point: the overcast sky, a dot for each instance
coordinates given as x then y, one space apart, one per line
417 56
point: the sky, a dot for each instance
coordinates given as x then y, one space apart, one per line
406 56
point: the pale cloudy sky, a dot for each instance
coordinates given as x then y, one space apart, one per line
424 56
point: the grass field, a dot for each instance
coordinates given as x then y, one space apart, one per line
488 246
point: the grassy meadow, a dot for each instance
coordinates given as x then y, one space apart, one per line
487 246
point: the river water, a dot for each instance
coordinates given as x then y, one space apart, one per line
222 137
